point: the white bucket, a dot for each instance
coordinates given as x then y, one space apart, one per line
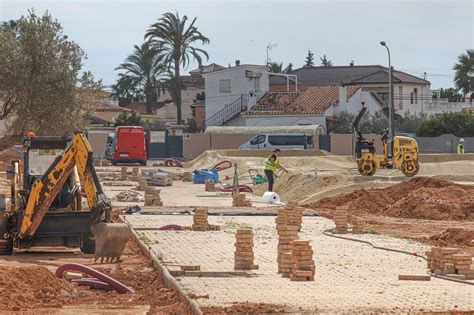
270 197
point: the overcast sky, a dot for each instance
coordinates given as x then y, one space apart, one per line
423 36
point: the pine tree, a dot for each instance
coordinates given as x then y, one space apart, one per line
309 59
325 62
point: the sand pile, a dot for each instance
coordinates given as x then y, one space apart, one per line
419 198
33 287
453 236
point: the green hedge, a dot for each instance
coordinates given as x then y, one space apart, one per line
459 124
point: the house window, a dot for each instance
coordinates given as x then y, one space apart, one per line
411 98
415 91
224 86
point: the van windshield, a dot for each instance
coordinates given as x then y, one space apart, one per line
287 140
258 140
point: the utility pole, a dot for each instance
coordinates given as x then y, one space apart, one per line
422 99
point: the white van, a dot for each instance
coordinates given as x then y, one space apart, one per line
288 141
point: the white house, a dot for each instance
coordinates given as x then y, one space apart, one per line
231 91
313 106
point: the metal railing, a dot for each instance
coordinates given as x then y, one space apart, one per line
229 111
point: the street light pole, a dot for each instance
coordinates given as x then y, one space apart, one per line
391 108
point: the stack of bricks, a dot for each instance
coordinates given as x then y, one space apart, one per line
209 185
357 225
123 173
243 255
240 200
200 222
152 197
302 263
142 184
135 171
450 262
294 214
187 177
286 235
340 219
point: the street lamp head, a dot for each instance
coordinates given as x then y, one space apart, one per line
383 43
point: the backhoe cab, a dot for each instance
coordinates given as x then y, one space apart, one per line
404 157
47 187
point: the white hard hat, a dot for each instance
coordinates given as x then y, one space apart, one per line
461 140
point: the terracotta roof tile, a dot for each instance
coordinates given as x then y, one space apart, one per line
314 100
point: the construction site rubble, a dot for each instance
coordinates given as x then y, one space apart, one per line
152 197
157 178
200 222
240 200
243 255
302 264
451 262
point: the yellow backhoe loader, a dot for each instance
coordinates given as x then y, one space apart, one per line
46 192
403 156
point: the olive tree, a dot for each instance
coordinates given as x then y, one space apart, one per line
42 88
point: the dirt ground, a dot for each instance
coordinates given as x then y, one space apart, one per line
28 282
431 209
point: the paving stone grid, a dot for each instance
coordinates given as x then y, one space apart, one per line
350 276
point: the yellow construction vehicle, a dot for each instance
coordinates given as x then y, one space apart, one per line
46 193
404 152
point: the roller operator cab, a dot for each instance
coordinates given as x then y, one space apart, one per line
130 145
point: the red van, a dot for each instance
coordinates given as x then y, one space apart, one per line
130 145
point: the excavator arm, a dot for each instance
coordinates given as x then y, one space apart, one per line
110 239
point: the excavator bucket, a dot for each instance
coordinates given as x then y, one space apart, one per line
110 240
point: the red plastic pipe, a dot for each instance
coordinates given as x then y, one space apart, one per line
114 284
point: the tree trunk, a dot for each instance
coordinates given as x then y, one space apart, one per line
178 91
149 102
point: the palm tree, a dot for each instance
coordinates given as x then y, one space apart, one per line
462 78
177 39
275 67
144 75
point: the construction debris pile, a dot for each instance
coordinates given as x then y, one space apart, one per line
240 200
243 255
451 262
419 198
200 222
